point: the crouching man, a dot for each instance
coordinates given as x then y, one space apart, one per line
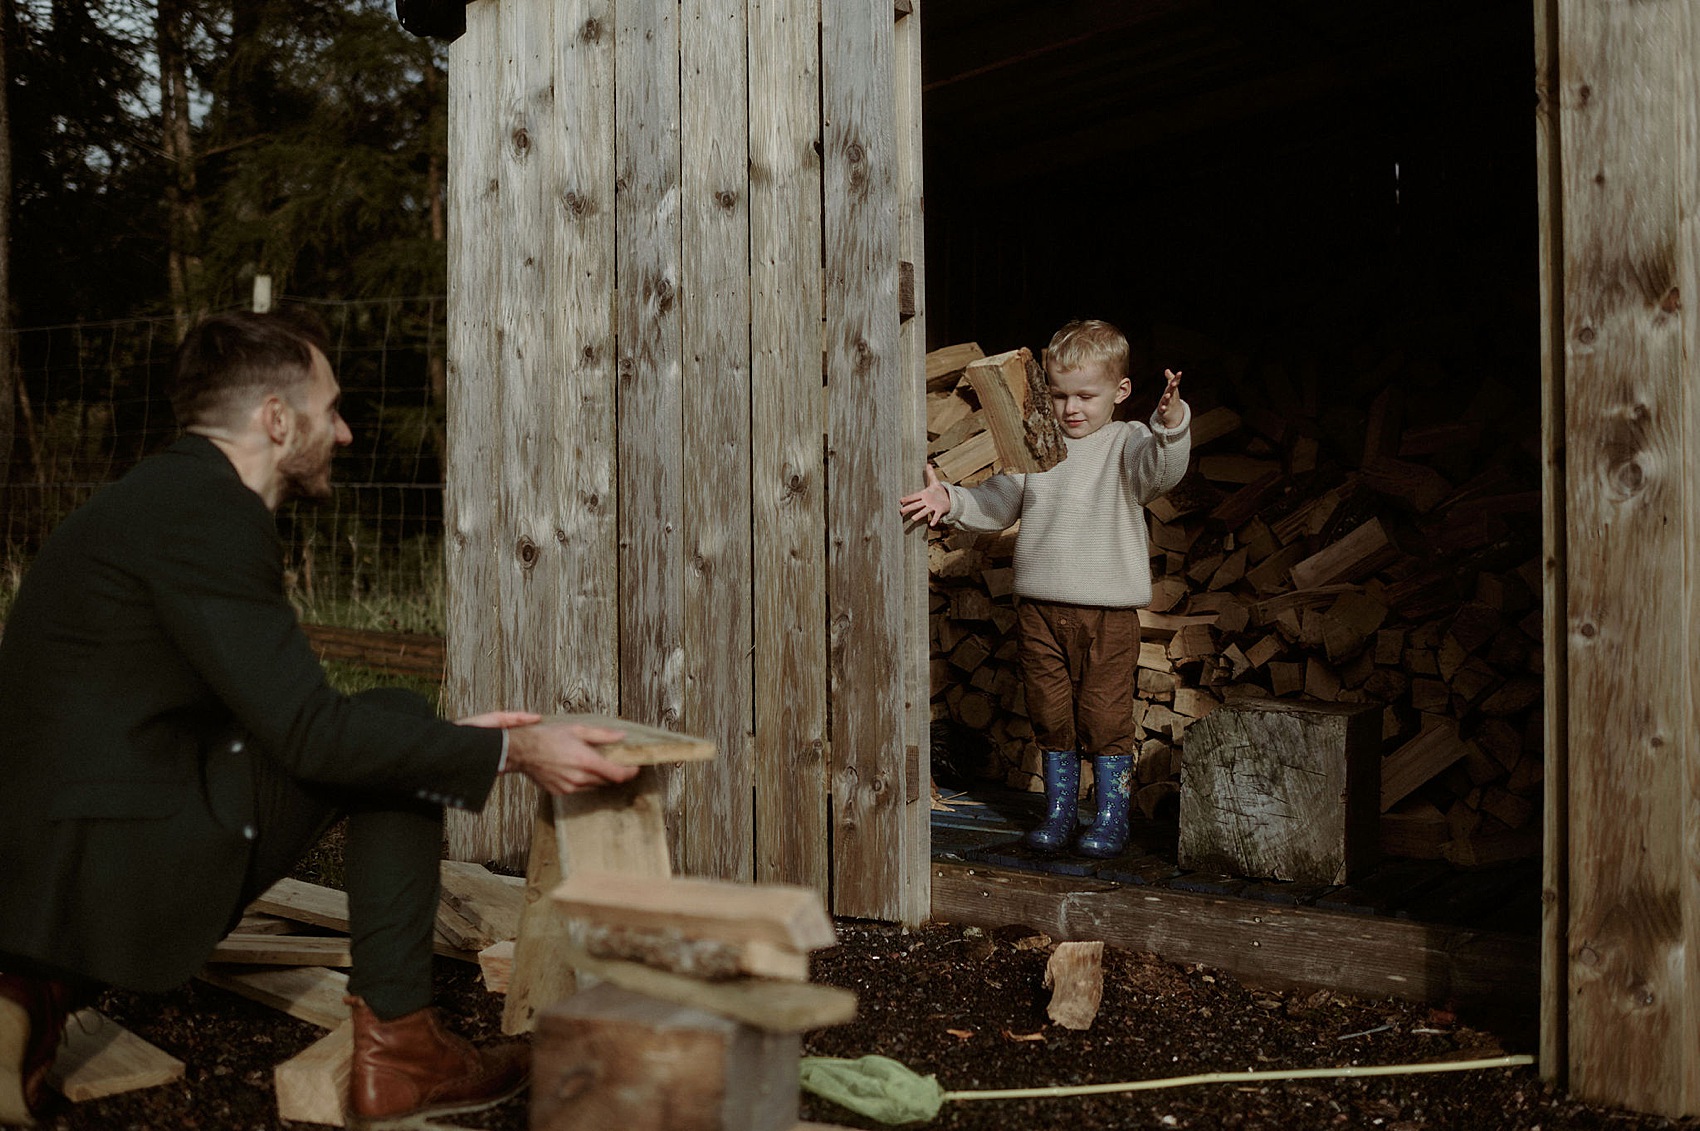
169 747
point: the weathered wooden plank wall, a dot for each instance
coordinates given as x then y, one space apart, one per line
643 302
719 822
1629 109
788 476
532 554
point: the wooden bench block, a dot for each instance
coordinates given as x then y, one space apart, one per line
611 1058
1282 790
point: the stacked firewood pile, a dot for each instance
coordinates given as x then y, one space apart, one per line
1379 548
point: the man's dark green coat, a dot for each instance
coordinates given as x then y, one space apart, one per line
150 657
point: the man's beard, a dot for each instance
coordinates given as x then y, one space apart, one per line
306 473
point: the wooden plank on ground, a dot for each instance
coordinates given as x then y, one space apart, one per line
321 906
311 993
283 950
1262 944
788 474
776 1007
312 1085
102 1058
785 915
718 833
866 419
491 903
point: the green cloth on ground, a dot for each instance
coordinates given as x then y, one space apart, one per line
875 1086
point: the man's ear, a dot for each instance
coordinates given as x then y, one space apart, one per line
278 419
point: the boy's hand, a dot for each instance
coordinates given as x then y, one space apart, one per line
1169 409
931 502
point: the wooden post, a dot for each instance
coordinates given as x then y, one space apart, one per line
788 475
1628 218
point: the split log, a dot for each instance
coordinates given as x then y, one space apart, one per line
787 916
1015 402
101 1058
312 1086
1075 976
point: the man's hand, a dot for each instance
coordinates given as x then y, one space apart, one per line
1169 409
562 757
931 502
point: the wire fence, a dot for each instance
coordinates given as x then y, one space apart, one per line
91 403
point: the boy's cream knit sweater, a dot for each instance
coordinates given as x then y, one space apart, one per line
1083 535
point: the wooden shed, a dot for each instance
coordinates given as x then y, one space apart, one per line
689 311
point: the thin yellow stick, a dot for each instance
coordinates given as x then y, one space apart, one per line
1242 1077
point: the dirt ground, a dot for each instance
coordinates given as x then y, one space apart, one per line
969 1006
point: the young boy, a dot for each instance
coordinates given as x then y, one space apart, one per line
1082 572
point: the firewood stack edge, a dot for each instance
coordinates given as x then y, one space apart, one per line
1373 538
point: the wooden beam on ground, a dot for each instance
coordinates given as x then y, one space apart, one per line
312 1085
1259 943
492 904
776 1007
310 993
321 906
783 915
283 950
102 1058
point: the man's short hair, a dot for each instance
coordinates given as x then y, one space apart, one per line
1084 341
226 362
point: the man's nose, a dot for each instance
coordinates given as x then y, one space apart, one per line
344 436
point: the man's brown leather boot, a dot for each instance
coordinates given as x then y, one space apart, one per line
32 1020
415 1066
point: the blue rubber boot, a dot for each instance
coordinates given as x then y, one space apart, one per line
1062 795
1113 780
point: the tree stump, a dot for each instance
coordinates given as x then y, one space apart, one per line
1285 791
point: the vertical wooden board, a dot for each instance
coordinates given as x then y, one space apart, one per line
471 545
788 475
582 438
866 420
718 821
1626 101
1555 903
647 343
915 901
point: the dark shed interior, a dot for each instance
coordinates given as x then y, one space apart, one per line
1325 213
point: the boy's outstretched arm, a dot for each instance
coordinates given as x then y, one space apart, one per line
1171 410
1155 466
931 502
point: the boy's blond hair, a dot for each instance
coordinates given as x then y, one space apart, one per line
1084 341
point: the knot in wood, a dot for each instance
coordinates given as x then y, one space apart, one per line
591 32
576 205
699 565
853 153
527 551
560 536
1672 301
726 198
1586 336
492 188
592 501
521 140
663 295
795 483
1588 956
1583 94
